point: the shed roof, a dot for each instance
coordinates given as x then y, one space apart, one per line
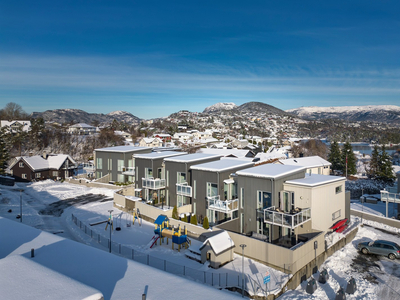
219 242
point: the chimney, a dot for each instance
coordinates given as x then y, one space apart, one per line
44 155
30 154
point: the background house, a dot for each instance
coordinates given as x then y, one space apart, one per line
82 128
16 126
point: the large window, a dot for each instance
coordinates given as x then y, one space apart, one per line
99 163
263 200
109 164
120 165
148 172
181 177
55 173
212 189
241 197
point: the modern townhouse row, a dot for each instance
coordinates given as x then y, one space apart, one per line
281 204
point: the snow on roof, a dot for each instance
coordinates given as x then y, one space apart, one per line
192 157
27 281
219 242
155 155
37 162
114 276
315 180
225 152
223 165
270 171
122 149
309 162
81 125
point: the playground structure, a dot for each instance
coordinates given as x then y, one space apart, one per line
136 216
110 222
162 230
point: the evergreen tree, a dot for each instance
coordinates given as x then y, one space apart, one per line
184 219
175 213
385 170
193 220
374 163
348 159
206 225
334 156
4 152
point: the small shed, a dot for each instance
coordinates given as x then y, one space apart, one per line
217 249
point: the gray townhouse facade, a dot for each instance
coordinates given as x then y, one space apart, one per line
150 182
118 162
215 189
179 183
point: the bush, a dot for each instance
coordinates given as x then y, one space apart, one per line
184 219
193 220
205 223
175 213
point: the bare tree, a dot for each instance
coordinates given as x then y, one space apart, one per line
13 111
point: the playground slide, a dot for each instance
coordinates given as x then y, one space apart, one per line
155 240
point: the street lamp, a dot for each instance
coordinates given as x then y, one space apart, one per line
110 223
243 246
20 204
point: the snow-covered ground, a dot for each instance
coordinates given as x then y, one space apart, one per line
344 264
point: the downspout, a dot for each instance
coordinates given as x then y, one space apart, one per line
273 195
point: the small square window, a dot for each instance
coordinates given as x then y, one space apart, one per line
37 175
24 176
21 164
338 189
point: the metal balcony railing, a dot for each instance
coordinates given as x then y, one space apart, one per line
293 219
128 171
153 184
390 197
184 189
225 206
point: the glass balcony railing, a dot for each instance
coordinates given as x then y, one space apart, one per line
225 206
390 197
295 218
153 184
128 171
183 189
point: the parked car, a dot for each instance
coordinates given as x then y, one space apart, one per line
380 247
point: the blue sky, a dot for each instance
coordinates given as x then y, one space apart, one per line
153 58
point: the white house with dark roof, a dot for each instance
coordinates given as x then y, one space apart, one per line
150 142
16 126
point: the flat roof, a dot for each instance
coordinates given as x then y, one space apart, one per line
162 154
223 165
192 157
315 180
122 149
270 171
309 162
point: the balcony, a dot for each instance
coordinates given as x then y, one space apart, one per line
128 171
295 218
153 184
184 189
225 206
390 197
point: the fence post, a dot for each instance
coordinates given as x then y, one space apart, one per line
205 279
148 259
184 270
119 248
165 265
226 281
212 279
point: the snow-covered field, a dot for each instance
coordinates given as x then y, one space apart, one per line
376 277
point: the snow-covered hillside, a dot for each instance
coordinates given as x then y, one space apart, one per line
220 106
383 113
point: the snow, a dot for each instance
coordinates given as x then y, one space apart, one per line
220 106
309 162
315 179
222 165
162 154
270 171
192 157
344 109
119 278
220 242
122 149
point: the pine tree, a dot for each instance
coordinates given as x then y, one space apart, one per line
334 156
4 152
206 225
175 213
349 157
385 170
373 168
184 219
193 220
